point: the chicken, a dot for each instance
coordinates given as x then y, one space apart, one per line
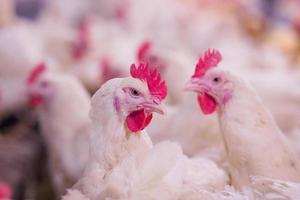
265 69
123 162
269 72
254 144
62 106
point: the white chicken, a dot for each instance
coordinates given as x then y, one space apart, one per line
254 144
62 106
265 69
123 162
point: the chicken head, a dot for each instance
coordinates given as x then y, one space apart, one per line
210 83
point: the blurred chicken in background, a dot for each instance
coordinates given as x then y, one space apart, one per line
62 106
88 42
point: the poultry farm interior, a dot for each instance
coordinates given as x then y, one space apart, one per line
148 100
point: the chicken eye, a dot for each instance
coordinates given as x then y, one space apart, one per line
135 92
216 80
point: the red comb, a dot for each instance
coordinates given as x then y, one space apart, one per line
35 72
210 59
143 50
156 86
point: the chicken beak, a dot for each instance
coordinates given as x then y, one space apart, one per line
152 106
193 86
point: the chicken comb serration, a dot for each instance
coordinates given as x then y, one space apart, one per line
211 58
156 86
143 50
36 72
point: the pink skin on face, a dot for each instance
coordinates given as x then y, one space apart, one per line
117 104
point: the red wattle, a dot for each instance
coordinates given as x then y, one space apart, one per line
36 100
207 103
138 120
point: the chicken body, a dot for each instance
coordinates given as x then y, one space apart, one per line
65 125
125 165
254 143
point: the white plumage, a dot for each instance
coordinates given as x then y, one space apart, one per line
127 166
63 116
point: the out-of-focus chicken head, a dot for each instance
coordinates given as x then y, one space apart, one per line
210 83
146 54
40 89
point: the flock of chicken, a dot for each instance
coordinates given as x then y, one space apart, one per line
79 87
